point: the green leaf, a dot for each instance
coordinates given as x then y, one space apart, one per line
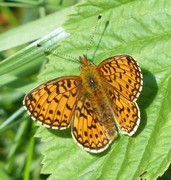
143 30
32 31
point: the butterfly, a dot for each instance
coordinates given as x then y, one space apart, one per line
97 104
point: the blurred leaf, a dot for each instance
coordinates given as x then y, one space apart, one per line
33 30
3 173
31 55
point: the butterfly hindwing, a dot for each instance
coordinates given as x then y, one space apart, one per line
88 128
126 113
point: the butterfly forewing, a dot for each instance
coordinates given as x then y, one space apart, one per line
53 103
124 74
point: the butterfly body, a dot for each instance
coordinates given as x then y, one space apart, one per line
94 103
95 91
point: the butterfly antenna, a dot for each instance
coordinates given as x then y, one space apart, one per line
106 25
93 33
56 53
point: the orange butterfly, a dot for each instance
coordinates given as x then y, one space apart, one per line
95 104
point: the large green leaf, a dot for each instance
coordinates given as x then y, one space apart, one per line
143 30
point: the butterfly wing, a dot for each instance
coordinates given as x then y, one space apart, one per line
126 113
88 128
123 73
124 76
53 103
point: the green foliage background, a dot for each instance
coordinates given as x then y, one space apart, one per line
139 28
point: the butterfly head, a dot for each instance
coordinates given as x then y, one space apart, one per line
84 62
